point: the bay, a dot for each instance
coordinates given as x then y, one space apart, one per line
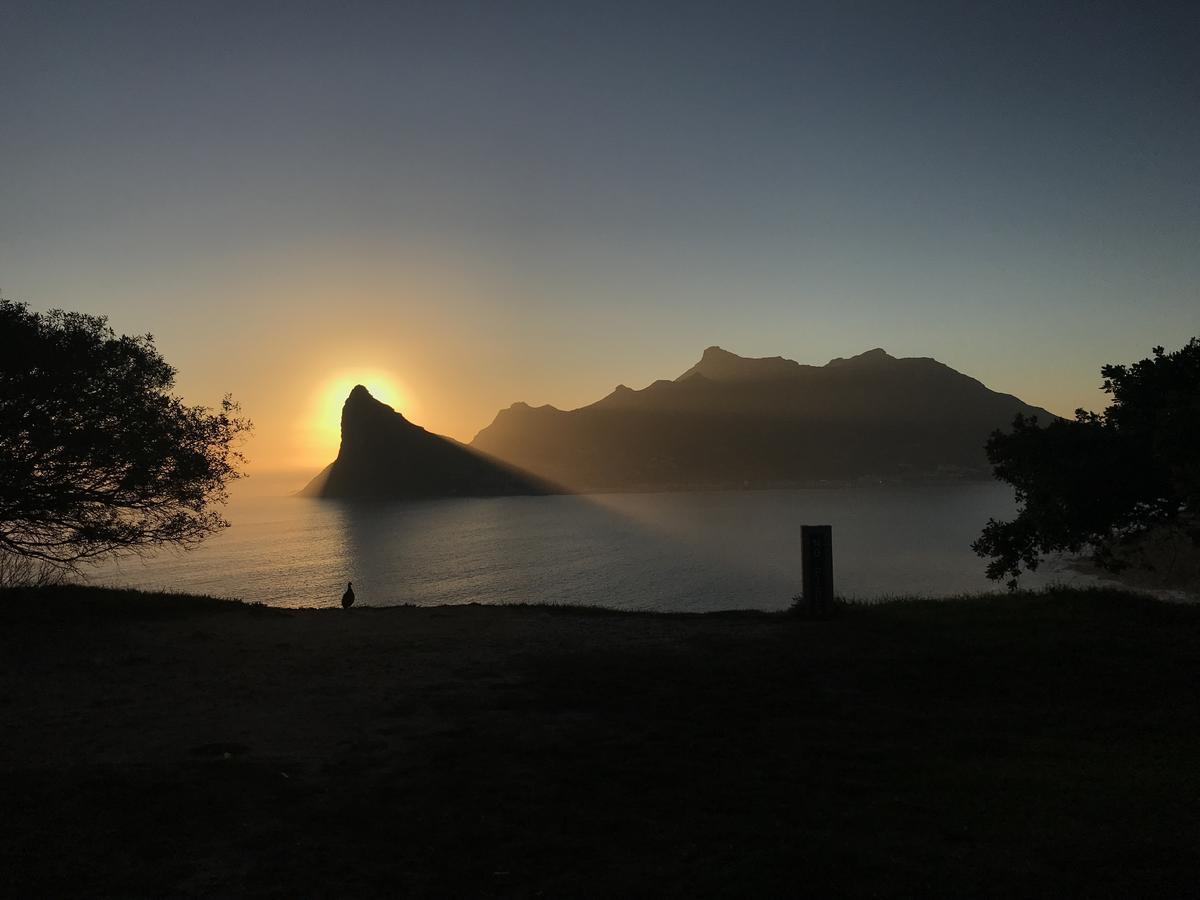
666 551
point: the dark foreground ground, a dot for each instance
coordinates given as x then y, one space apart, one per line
1044 745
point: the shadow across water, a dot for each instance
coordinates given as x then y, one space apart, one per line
677 551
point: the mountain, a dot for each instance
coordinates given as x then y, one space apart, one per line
729 421
383 455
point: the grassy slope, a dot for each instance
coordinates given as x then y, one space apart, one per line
1013 746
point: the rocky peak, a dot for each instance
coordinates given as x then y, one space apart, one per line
871 357
717 364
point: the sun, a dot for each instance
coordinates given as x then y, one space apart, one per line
325 420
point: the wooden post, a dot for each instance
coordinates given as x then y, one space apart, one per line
816 560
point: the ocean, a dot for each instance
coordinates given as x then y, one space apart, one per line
652 551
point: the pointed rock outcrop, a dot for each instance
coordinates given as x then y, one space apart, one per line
385 456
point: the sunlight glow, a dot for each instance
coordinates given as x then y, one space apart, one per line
325 420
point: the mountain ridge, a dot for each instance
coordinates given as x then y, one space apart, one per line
731 421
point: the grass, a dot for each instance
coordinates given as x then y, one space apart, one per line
74 603
1036 744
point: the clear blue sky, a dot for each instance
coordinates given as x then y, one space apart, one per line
491 202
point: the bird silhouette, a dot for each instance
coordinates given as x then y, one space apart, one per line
348 597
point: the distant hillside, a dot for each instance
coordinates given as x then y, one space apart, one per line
384 456
735 422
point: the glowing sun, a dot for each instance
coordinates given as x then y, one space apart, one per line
325 422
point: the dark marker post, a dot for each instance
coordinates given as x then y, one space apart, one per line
816 557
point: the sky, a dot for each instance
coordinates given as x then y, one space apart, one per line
465 205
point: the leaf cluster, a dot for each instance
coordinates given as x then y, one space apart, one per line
97 455
1101 481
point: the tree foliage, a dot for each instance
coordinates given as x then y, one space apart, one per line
1101 481
97 456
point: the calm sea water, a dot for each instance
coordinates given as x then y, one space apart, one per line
678 551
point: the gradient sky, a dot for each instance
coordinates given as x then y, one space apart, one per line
479 203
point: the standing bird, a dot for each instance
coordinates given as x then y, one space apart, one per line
348 597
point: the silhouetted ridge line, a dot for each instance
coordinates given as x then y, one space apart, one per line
721 365
731 421
384 456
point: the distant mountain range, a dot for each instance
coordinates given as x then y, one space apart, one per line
729 421
384 456
726 422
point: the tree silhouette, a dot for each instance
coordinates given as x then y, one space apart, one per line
1101 482
97 457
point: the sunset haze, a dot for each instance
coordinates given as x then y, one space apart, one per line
467 205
